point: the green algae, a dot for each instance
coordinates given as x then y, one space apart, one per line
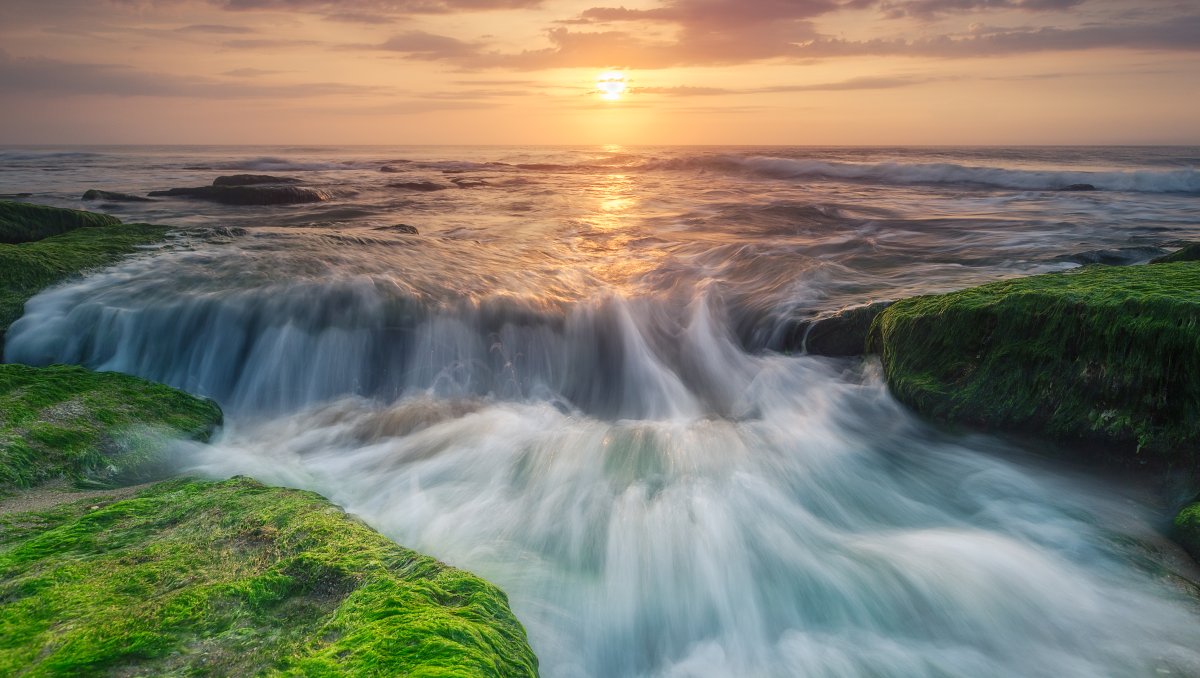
1100 355
1187 529
1189 252
235 578
24 222
90 427
28 268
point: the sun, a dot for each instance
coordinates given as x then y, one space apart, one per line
611 85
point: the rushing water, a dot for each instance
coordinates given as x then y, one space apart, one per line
576 381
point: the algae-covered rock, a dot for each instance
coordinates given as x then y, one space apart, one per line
238 579
25 222
1187 529
27 268
1189 252
1100 354
90 427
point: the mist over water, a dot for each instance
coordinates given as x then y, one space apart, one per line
572 383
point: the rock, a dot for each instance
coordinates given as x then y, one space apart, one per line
1101 354
843 333
28 268
94 427
423 186
252 180
398 228
233 578
1078 187
96 194
1186 528
24 222
1189 252
247 195
1121 256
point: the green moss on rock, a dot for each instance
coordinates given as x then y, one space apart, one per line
28 268
90 427
1187 529
1107 354
1189 252
25 222
235 578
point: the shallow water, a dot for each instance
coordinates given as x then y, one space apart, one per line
572 383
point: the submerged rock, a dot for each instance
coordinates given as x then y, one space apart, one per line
398 228
252 180
1189 252
1100 354
247 195
236 578
97 194
424 186
1078 187
90 427
25 222
464 182
1120 256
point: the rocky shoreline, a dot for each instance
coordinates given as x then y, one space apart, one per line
1100 359
186 576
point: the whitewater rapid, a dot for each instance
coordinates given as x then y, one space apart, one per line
655 500
576 383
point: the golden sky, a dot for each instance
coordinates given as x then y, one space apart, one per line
587 72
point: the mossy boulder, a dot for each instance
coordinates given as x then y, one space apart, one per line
24 222
1189 252
1187 529
237 579
1100 355
90 427
27 268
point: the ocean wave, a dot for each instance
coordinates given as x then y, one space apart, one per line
24 155
275 164
1140 181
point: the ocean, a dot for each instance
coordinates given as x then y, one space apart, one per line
584 380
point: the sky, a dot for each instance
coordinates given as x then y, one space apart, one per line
819 72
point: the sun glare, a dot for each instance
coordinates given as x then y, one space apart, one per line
611 85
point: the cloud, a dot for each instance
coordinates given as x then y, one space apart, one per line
376 7
927 9
23 76
249 72
861 83
1181 34
799 41
428 46
268 43
359 18
219 29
